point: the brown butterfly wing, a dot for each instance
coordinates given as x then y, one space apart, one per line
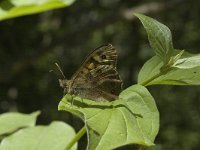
97 78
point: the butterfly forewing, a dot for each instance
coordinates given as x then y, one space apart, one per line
100 58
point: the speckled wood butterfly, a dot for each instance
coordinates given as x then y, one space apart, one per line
97 78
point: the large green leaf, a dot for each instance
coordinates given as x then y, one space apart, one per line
53 137
10 122
159 36
14 8
134 119
186 71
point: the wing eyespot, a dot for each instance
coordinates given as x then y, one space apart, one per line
103 56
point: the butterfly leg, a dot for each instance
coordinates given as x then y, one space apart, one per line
72 100
81 99
75 93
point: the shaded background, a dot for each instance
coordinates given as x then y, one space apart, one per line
30 45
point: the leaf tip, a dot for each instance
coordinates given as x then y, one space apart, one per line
36 113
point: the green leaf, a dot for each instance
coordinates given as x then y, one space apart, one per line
55 136
177 57
188 62
15 8
134 119
159 36
12 121
185 71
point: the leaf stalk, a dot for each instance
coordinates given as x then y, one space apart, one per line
76 138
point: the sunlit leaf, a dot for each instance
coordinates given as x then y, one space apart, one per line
186 71
134 119
10 122
15 8
53 137
188 62
159 36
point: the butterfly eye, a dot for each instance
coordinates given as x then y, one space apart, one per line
103 56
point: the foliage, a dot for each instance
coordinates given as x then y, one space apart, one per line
12 121
159 36
169 66
133 119
14 8
165 63
47 37
53 136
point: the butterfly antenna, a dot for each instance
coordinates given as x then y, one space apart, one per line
60 70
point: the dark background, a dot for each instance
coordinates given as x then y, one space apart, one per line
30 45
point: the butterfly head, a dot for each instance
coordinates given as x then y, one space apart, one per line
65 84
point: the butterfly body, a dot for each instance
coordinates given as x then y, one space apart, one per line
97 78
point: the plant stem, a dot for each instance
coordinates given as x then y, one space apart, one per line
145 83
76 138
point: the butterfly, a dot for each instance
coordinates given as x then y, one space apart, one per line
97 79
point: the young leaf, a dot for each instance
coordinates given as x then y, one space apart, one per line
133 119
55 136
12 121
15 8
185 71
159 36
188 62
